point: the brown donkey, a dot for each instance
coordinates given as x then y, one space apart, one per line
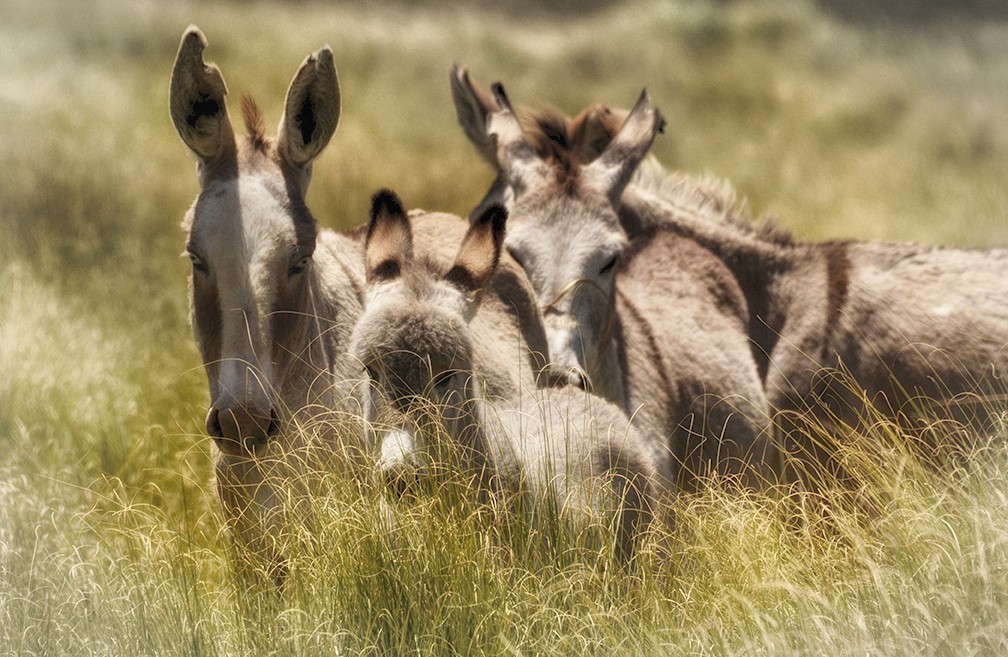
564 447
273 298
656 323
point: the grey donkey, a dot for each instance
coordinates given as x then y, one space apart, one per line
562 447
647 318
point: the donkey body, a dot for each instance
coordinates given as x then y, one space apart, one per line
912 331
573 449
649 319
274 299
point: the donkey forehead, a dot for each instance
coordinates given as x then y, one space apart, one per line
560 244
416 291
412 344
250 214
575 202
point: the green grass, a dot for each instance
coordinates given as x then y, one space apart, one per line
110 539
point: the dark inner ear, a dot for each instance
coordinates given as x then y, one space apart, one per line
460 276
386 270
480 250
306 120
206 106
389 240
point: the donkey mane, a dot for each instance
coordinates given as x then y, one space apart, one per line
255 124
709 197
551 133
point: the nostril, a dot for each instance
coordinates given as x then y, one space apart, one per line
213 425
580 379
274 425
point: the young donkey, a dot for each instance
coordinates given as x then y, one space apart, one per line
273 298
654 323
565 446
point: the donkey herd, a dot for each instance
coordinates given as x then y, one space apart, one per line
601 334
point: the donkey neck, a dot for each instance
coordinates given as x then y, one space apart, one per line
330 308
756 261
608 376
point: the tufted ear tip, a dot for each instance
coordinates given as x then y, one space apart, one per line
385 201
389 241
496 216
643 102
501 96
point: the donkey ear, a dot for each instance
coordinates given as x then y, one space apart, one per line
472 106
612 170
479 253
519 163
196 102
312 110
389 242
500 193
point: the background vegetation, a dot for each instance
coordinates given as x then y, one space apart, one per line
844 119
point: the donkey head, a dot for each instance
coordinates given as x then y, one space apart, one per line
413 339
564 229
250 235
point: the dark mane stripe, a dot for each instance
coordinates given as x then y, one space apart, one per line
838 268
255 124
549 132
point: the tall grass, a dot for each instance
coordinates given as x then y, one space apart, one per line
110 534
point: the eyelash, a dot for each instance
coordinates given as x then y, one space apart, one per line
300 266
197 263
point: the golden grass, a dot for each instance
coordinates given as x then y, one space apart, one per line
110 536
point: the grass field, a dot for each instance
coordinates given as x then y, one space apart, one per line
110 540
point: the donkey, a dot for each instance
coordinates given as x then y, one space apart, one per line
843 331
273 298
656 324
563 445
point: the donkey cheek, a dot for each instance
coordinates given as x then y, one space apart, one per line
206 328
287 327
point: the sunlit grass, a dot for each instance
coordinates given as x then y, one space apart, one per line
758 575
111 541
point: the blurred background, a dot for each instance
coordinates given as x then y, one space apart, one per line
859 119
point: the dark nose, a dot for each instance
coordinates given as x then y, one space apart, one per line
238 430
557 375
579 378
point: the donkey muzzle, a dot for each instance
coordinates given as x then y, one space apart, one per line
238 430
559 376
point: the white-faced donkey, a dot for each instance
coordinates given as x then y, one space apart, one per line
563 449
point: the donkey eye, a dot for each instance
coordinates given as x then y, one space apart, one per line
609 265
442 382
197 263
301 265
